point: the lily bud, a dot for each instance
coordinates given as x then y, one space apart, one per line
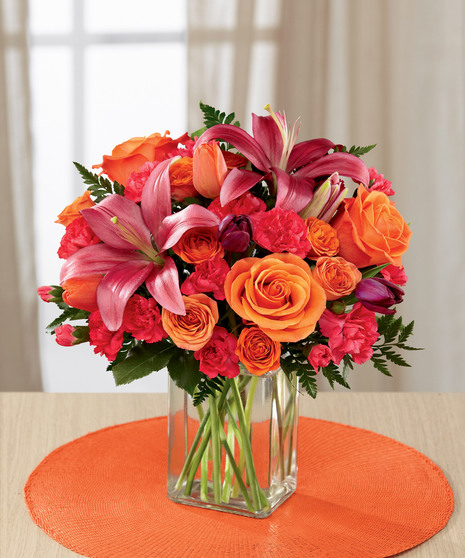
378 295
326 199
67 335
235 232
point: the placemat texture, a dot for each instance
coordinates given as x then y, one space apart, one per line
359 495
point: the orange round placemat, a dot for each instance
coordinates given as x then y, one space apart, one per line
359 495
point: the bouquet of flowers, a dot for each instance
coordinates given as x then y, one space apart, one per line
221 250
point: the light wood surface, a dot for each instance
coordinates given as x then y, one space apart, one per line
33 424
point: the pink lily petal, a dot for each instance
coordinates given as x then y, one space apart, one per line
293 192
241 140
267 134
237 183
163 285
156 197
307 151
343 163
129 232
176 225
115 289
96 259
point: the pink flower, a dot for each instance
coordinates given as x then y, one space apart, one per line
247 204
187 150
142 319
379 183
208 277
353 333
136 181
78 235
64 335
320 355
218 355
45 293
280 230
395 274
106 342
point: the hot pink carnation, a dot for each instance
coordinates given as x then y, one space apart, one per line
105 342
64 335
281 230
208 277
136 181
186 150
353 333
320 355
45 293
218 355
142 319
380 183
395 274
247 204
78 235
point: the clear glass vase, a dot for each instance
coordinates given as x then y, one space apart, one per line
237 451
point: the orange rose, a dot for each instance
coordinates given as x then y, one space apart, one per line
81 292
193 330
182 179
322 237
337 276
198 245
257 352
129 156
71 212
277 293
210 170
370 230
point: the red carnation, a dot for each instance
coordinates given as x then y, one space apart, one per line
136 181
105 342
247 204
78 235
218 355
379 183
142 319
208 277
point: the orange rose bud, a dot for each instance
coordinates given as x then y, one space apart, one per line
337 276
277 293
198 245
71 212
257 352
370 230
81 292
322 237
210 170
182 179
193 330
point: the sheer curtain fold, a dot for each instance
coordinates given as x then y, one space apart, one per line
363 72
19 363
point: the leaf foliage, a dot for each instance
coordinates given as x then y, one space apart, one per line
68 314
212 116
356 150
207 386
294 361
99 186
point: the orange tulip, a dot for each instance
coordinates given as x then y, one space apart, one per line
210 170
81 292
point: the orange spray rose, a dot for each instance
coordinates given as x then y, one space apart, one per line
81 292
198 245
337 276
257 352
322 237
182 179
71 211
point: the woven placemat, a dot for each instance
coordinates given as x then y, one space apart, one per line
359 495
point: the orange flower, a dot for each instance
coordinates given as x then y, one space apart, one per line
130 155
198 245
370 230
210 170
193 330
277 293
182 179
71 212
81 292
257 352
337 276
322 237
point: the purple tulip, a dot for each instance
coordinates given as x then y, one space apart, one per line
378 294
235 232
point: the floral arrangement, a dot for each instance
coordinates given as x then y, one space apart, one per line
219 249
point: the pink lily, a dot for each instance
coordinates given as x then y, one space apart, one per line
273 148
133 249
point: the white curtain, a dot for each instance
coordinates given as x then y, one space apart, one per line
389 72
19 361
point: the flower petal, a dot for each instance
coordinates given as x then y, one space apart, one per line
267 134
115 289
343 163
293 192
306 152
176 225
237 183
163 285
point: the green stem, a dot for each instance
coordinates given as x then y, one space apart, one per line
216 448
204 476
279 417
228 468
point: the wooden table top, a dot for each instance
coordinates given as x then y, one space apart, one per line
33 424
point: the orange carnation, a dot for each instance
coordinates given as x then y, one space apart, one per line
71 212
322 237
370 230
81 292
193 330
257 352
129 156
198 245
277 293
182 179
337 276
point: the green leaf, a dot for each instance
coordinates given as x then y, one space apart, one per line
406 332
68 314
207 386
98 186
212 117
141 361
394 357
292 360
372 271
357 150
332 374
381 365
184 370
